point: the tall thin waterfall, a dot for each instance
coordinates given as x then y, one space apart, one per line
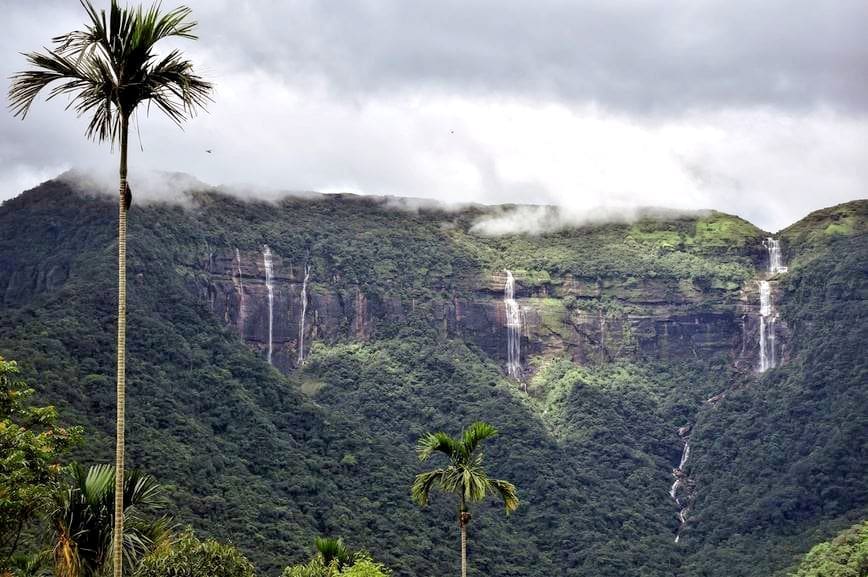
303 312
775 261
241 310
681 483
513 327
269 285
767 328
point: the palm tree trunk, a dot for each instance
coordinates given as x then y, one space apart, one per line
463 519
118 532
463 548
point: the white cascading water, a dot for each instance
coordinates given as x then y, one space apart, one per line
767 328
513 328
680 482
269 272
241 310
768 359
775 261
303 312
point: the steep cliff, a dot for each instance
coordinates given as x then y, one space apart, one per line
669 291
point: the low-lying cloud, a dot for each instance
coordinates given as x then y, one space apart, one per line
147 186
536 220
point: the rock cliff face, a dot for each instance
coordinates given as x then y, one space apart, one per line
20 282
590 320
629 314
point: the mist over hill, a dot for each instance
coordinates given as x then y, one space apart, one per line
678 393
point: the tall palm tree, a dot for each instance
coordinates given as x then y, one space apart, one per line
106 70
82 520
464 476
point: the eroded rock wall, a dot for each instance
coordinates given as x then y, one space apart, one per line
590 320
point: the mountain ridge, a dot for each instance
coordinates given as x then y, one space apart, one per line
184 184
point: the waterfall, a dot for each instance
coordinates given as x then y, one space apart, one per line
303 312
241 310
685 454
768 318
269 272
513 328
678 473
767 328
681 482
775 262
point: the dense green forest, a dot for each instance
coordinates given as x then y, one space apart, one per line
632 328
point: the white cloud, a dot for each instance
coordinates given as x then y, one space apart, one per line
279 124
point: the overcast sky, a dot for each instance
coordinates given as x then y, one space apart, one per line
758 107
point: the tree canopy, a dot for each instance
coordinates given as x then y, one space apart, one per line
31 444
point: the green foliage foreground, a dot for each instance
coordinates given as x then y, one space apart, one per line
844 556
334 559
188 556
83 520
31 443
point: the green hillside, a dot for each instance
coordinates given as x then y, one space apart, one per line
630 328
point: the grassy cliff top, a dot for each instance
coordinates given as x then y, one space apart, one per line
847 219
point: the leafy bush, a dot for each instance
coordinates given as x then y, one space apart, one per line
187 556
844 556
31 442
334 559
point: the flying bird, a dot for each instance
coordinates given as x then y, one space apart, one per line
208 150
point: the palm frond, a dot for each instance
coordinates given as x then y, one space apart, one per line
50 67
507 491
437 442
333 549
424 482
172 23
475 434
108 68
141 537
142 491
474 481
173 87
95 33
30 565
96 485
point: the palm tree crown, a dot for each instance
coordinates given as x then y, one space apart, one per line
464 476
110 67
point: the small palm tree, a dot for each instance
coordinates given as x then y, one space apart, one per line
82 520
107 70
464 476
333 549
332 558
